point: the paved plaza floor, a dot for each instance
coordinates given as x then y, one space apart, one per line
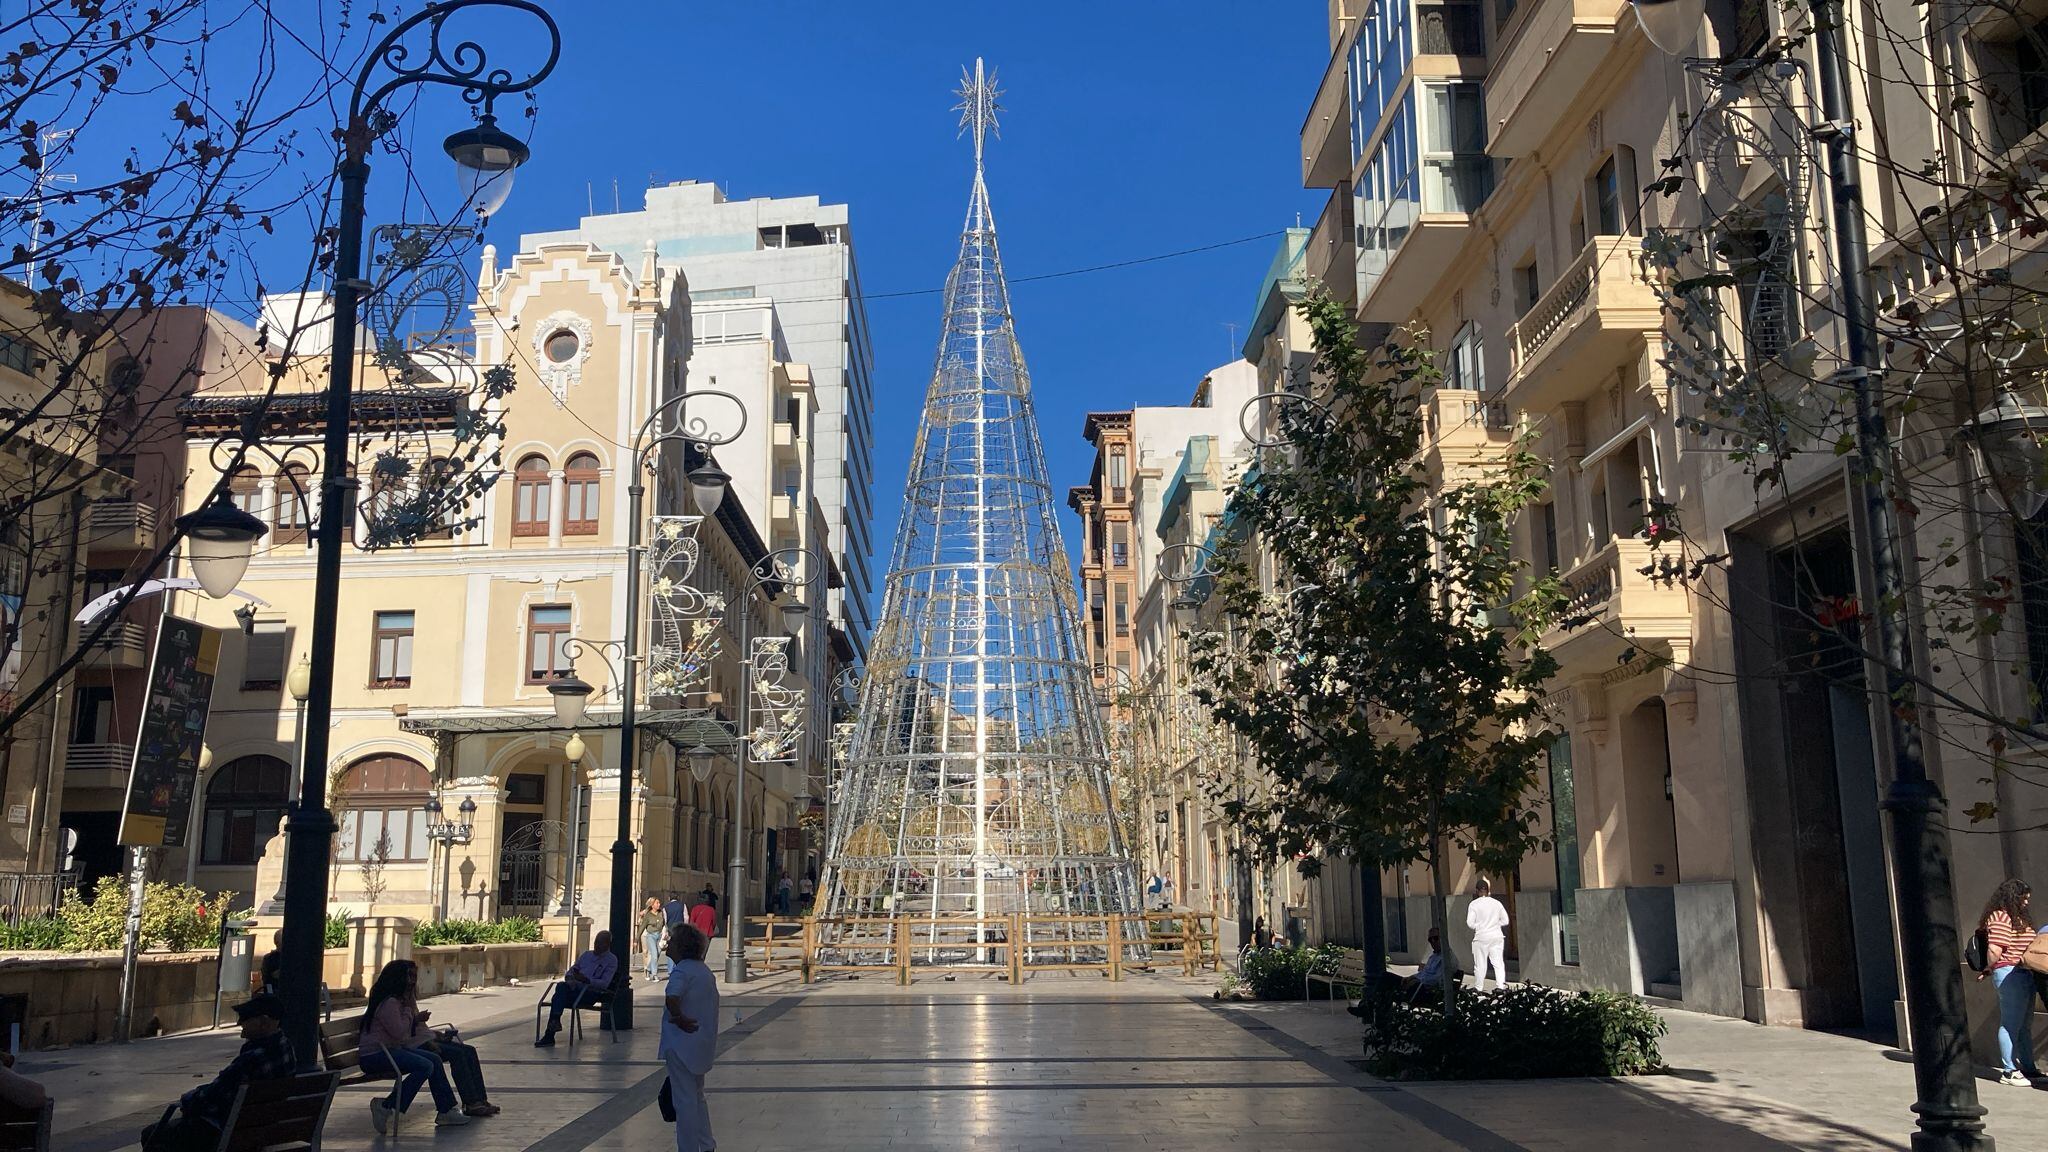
1066 1063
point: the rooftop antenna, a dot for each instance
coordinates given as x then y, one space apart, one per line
589 199
615 195
44 177
1232 326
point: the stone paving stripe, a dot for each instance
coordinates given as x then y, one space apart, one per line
1436 1118
1047 1086
623 1105
977 1002
765 1062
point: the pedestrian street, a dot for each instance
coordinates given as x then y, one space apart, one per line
1150 1062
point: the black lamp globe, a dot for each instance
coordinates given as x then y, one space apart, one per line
219 539
1185 608
707 487
485 158
572 696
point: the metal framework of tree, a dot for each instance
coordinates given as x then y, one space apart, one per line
978 775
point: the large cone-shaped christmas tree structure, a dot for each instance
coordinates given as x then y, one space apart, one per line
977 777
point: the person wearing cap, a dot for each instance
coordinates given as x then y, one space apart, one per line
266 1055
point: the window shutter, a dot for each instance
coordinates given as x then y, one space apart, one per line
265 652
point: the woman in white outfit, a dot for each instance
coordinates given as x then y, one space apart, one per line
1488 920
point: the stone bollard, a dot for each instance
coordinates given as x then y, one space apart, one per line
373 942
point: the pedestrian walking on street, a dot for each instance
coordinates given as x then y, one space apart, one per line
807 893
586 980
1488 920
689 1036
783 888
676 911
709 896
2007 932
704 916
653 926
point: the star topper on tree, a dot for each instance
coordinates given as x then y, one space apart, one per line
977 107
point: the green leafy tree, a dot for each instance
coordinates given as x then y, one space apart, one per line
1389 690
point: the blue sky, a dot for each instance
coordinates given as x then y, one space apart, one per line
1132 130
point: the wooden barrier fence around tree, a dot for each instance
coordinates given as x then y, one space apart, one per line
1011 946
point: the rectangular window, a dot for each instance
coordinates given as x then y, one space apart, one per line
16 353
1123 610
92 715
1546 540
263 659
1458 175
547 631
1465 371
391 658
1607 199
1119 477
1119 545
526 788
1528 290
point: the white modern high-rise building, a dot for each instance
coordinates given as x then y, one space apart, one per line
796 255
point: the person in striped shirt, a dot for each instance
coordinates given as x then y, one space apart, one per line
2007 932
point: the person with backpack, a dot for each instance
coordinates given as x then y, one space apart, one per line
2006 933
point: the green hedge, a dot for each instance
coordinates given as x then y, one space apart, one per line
513 930
175 917
1278 973
1524 1031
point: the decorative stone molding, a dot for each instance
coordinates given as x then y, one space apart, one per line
1589 707
559 377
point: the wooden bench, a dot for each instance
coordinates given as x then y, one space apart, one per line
341 1053
1348 972
602 1005
283 1115
26 1129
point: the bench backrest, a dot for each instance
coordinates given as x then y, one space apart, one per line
341 1044
25 1129
289 1112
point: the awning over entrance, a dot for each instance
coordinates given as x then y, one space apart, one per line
682 728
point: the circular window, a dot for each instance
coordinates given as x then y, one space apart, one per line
563 346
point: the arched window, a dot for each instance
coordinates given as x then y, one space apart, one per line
530 497
294 504
580 478
244 490
383 797
245 800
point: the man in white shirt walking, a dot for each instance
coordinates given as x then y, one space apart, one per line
1488 920
689 1035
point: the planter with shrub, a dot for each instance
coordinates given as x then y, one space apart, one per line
511 930
1524 1031
1278 973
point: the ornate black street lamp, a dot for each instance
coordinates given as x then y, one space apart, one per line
486 157
572 693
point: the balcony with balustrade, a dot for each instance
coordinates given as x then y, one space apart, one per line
120 526
98 765
1596 316
1546 58
125 644
1627 596
1462 427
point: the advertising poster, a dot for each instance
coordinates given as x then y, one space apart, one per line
173 728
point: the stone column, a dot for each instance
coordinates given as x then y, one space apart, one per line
558 498
594 872
470 871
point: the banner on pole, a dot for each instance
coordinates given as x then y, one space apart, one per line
173 729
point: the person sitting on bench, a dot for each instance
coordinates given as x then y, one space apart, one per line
266 1055
396 1041
1426 986
586 980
